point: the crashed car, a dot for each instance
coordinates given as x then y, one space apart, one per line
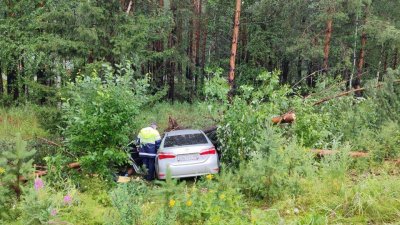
186 153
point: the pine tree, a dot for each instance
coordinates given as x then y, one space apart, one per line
16 162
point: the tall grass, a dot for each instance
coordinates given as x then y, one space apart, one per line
19 120
195 116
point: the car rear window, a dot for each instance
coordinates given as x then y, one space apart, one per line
185 139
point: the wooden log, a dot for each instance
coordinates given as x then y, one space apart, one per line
74 165
324 152
285 118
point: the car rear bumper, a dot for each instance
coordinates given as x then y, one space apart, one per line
210 166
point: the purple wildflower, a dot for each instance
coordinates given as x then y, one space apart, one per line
68 199
53 212
38 184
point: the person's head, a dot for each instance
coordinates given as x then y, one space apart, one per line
153 125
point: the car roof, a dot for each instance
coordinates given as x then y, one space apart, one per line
182 132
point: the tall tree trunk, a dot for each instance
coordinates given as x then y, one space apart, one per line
299 68
172 62
361 57
231 77
378 73
328 36
354 54
395 58
204 37
12 83
385 62
204 31
285 70
195 41
2 82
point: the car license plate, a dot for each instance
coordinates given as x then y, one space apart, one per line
188 157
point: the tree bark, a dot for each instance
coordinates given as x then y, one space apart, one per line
299 68
360 65
128 10
204 42
1 84
12 84
195 41
378 73
361 58
385 62
354 54
328 36
285 70
235 36
395 58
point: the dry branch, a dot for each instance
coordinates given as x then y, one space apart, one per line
129 7
49 142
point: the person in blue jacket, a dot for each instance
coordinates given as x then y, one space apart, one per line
149 141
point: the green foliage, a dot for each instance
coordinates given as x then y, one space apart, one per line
387 142
49 119
216 87
274 174
99 114
246 119
127 200
15 162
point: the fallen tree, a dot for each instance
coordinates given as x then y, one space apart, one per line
348 92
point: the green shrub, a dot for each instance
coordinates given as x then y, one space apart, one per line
205 202
246 120
127 199
274 174
49 118
388 142
15 162
99 114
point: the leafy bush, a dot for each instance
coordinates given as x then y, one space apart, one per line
49 118
205 202
246 119
216 87
239 132
274 174
127 200
99 114
387 142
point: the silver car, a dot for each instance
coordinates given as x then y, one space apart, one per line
186 153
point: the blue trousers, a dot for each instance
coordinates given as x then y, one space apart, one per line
151 169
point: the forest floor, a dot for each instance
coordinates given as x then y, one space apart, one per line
367 194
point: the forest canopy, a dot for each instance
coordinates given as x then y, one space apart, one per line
45 44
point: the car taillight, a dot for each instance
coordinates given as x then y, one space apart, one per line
211 151
165 155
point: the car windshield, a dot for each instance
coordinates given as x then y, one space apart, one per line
185 139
